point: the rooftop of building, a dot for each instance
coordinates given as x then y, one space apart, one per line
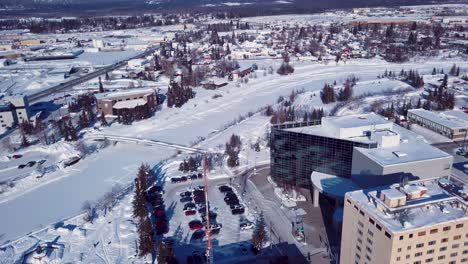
450 119
130 104
123 93
417 204
350 127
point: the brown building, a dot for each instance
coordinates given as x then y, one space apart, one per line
419 222
113 102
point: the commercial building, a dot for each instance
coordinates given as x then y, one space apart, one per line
418 222
339 154
13 110
113 102
452 124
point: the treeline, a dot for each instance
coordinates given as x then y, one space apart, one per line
88 23
178 95
329 95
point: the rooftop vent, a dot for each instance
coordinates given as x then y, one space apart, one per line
399 154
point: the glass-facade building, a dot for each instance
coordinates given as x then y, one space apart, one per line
295 155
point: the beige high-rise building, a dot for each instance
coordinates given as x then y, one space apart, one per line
420 222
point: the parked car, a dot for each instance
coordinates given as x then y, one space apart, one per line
183 178
21 166
186 199
71 161
237 211
199 234
193 177
190 212
156 189
195 224
200 176
225 189
185 194
175 180
42 161
200 187
215 228
246 225
17 156
190 206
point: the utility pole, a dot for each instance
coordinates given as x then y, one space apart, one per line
208 254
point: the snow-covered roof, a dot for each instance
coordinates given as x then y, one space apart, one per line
409 150
129 104
443 120
350 127
436 206
332 185
130 92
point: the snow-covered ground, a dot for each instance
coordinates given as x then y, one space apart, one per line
62 194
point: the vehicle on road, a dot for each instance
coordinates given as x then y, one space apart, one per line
17 156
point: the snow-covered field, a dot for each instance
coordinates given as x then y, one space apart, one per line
62 194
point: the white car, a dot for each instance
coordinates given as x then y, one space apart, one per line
246 225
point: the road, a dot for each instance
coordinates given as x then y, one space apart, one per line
277 219
69 84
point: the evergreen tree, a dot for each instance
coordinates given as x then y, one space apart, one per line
434 71
101 87
166 254
139 202
259 236
146 237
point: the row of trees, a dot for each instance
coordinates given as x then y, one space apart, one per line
140 211
178 95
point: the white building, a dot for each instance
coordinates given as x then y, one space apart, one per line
13 110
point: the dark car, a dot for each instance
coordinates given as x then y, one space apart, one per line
193 177
200 176
213 217
198 193
156 189
199 234
21 166
183 179
157 203
190 212
175 180
225 189
199 199
185 194
190 206
234 205
42 161
237 211
215 228
186 199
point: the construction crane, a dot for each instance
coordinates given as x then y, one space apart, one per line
208 253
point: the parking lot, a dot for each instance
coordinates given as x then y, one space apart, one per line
185 213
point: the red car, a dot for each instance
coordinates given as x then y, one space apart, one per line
195 225
17 156
190 212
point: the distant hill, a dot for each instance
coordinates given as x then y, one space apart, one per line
78 7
